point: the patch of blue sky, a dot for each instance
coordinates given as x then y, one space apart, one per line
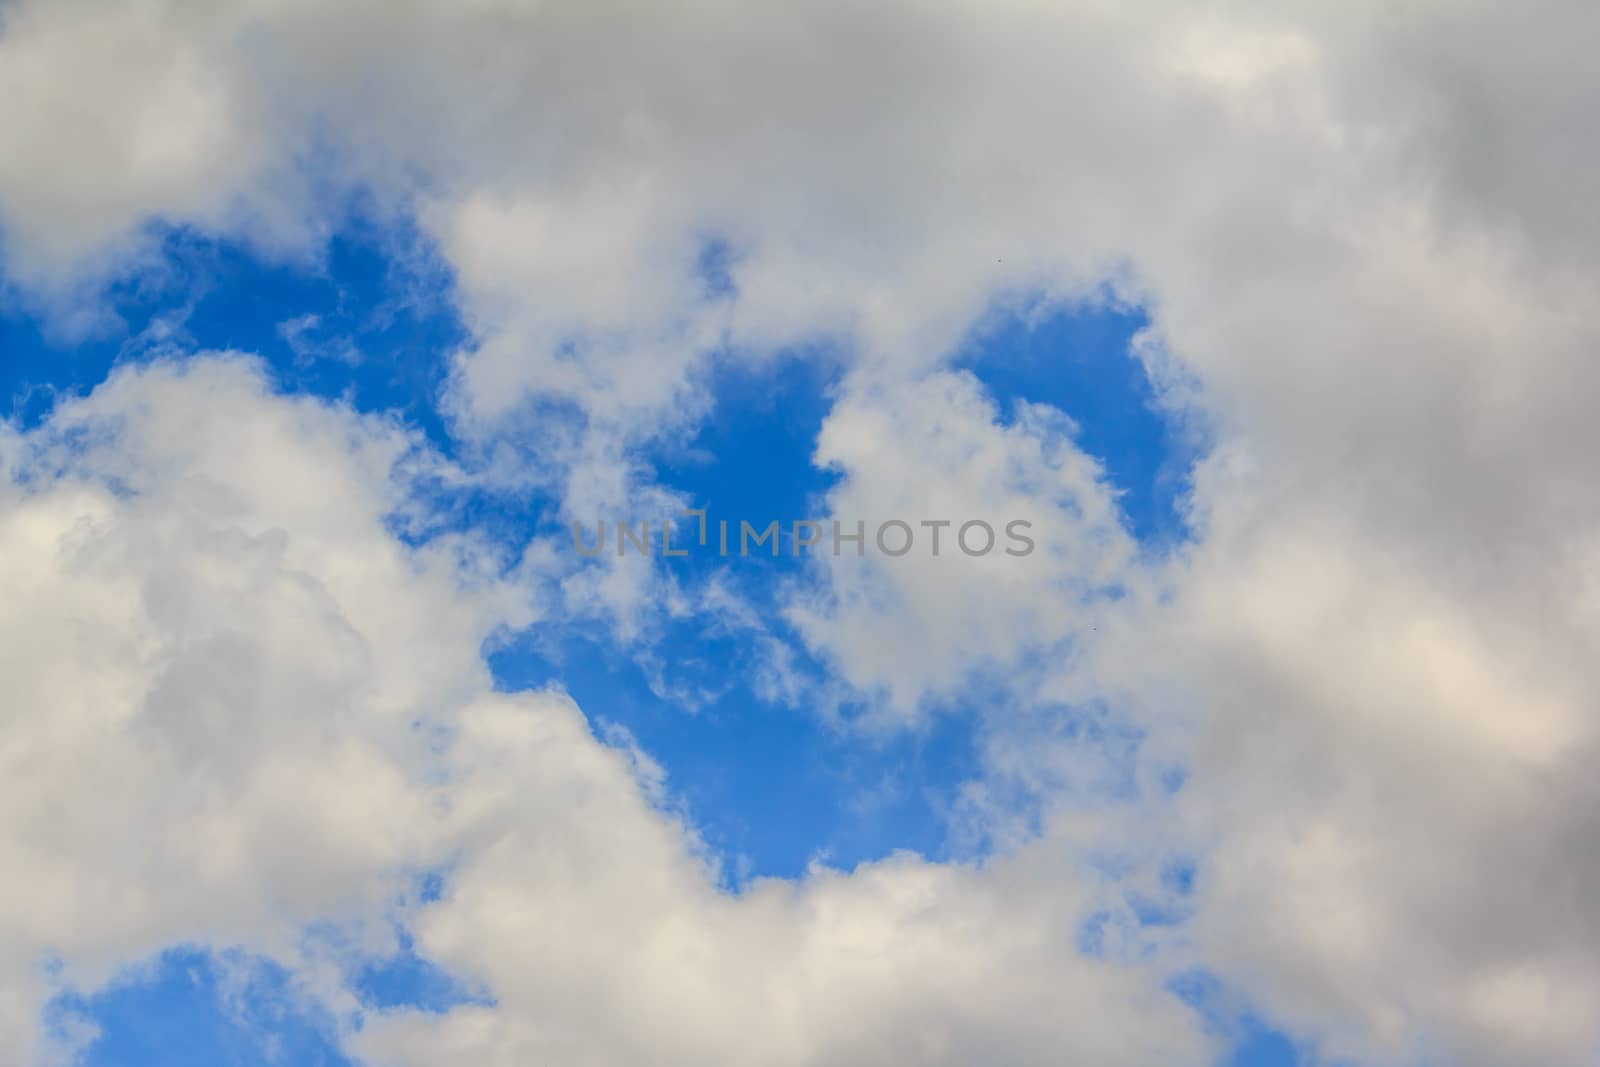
1250 1039
408 980
372 322
190 1008
752 457
770 788
1258 1045
715 265
1078 359
193 1006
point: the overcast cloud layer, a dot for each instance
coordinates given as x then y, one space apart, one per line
237 704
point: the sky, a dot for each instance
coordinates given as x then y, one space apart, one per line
1250 345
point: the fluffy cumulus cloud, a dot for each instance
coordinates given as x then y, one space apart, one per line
216 658
1391 780
1363 235
978 545
602 939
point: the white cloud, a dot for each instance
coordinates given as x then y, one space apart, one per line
1389 786
215 660
960 599
602 939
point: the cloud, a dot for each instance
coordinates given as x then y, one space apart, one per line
602 939
959 600
217 659
1388 784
